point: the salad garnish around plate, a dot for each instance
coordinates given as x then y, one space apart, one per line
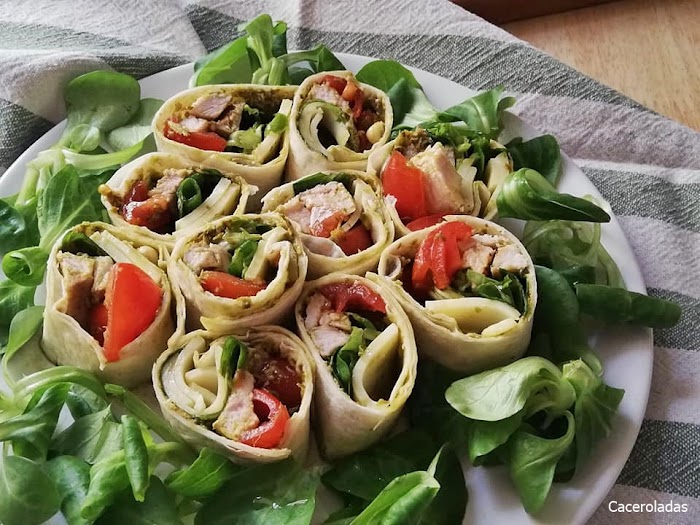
464 343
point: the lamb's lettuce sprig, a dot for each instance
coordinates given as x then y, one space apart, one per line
260 56
107 125
100 466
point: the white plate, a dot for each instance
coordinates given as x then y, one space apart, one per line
626 352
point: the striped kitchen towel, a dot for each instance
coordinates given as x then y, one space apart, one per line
646 166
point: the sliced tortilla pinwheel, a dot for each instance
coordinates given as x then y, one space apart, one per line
468 286
241 129
239 271
336 122
107 303
165 196
366 358
340 217
443 170
247 396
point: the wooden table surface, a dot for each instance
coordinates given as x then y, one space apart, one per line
647 49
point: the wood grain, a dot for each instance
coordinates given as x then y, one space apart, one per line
647 49
500 11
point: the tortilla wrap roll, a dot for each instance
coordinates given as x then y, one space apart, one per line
445 170
164 196
215 391
239 271
240 129
366 358
108 303
336 122
340 218
479 314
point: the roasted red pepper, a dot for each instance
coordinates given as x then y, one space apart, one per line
407 184
355 240
345 295
273 416
206 140
439 257
226 285
132 301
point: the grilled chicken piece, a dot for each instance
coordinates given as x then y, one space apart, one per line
230 121
478 257
103 265
328 339
443 182
194 124
202 257
508 259
238 415
328 94
77 272
165 190
328 329
320 210
210 107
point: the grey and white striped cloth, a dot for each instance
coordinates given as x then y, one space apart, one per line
646 166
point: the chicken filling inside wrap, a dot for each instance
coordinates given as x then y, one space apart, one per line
452 263
114 302
246 394
220 121
442 170
158 200
346 321
329 207
238 261
337 112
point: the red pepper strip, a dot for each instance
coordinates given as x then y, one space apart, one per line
206 140
424 222
132 301
273 417
226 285
344 295
356 239
438 257
334 82
407 185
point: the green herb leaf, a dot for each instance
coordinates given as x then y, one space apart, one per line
91 437
527 195
242 257
71 476
533 460
500 393
276 494
23 326
158 508
541 154
202 478
26 266
189 196
596 404
402 501
27 494
316 179
137 129
31 431
483 112
557 316
135 456
13 299
620 306
227 65
233 357
77 242
102 99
